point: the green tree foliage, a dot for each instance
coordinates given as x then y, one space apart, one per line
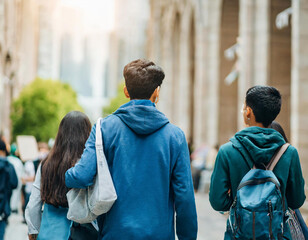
116 102
40 107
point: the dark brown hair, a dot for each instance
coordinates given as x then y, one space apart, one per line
73 132
276 126
142 77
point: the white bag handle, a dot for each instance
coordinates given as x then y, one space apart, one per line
98 135
99 145
86 204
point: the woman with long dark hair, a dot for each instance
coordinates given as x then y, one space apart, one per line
49 188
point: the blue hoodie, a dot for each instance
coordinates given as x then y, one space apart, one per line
149 162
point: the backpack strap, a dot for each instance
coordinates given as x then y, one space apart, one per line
277 157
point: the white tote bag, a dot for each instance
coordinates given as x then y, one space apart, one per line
85 205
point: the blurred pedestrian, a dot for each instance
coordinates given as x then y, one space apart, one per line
149 162
49 188
256 146
19 169
42 154
27 181
7 144
8 182
198 163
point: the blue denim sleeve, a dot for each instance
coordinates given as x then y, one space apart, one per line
184 199
83 173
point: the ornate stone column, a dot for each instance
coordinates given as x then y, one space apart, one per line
299 83
253 47
166 61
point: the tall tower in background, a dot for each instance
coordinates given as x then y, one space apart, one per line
128 40
49 39
83 61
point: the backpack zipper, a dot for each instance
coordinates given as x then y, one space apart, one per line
270 214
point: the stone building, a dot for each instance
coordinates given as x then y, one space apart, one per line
18 52
213 51
29 47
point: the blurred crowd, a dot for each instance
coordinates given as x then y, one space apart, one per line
25 172
202 164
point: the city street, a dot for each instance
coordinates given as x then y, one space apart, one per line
211 223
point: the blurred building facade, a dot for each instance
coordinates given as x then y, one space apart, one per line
50 28
83 61
50 40
128 40
213 51
19 28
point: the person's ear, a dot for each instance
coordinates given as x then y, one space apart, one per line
156 93
126 92
249 113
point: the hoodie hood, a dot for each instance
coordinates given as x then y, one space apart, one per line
258 144
141 116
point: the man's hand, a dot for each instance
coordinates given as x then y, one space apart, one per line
32 236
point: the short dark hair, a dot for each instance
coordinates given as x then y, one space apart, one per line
142 77
265 102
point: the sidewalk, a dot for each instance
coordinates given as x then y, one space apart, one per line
16 230
211 223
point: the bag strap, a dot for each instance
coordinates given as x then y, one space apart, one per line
98 135
275 159
99 145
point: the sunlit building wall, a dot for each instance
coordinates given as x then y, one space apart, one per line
213 51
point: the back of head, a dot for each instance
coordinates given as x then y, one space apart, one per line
73 132
265 103
3 148
13 149
142 77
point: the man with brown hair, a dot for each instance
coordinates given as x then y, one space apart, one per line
149 162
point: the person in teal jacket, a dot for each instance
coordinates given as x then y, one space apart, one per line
256 144
149 163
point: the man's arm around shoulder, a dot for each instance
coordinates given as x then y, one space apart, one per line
83 173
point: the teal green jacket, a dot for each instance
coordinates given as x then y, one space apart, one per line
236 158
